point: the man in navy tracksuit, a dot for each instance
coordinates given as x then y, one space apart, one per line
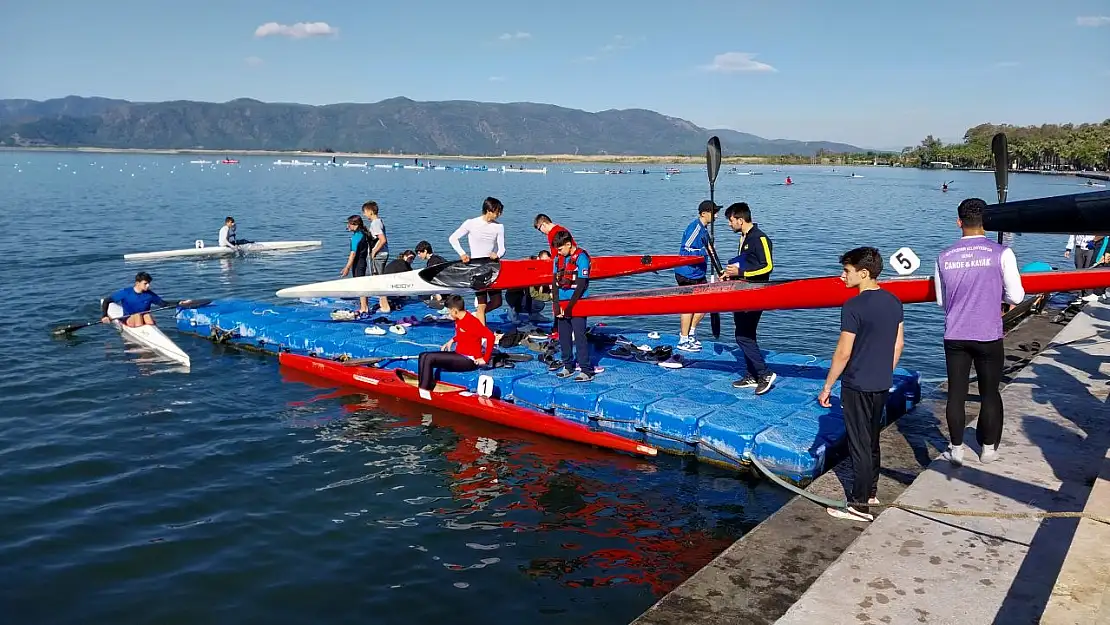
752 263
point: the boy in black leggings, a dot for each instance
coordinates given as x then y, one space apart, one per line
973 276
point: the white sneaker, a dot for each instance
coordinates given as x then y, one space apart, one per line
1090 298
850 514
989 454
374 330
955 455
425 394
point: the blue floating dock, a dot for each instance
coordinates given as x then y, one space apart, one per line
692 411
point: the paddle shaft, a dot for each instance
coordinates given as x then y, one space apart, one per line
712 168
181 304
1001 169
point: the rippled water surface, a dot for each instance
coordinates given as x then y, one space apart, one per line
136 492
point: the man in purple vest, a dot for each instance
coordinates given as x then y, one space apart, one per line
973 277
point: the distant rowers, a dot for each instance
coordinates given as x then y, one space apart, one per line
789 181
944 187
227 233
486 238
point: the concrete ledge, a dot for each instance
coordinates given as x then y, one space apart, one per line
759 577
924 568
1082 591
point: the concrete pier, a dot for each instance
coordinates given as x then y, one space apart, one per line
804 566
910 567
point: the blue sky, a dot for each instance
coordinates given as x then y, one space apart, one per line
876 74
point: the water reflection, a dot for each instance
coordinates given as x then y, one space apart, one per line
605 518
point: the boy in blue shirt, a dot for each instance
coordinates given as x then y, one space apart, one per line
135 302
695 242
571 281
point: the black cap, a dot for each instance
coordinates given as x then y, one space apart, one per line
708 206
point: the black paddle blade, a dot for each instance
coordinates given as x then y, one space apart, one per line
1001 165
713 158
63 330
715 324
1060 214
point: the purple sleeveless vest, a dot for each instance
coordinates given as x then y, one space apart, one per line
971 274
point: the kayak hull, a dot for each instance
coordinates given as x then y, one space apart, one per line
460 400
215 251
1088 213
825 292
150 337
480 275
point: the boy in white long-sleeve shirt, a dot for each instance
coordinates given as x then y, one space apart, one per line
486 238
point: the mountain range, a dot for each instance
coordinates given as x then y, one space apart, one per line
396 125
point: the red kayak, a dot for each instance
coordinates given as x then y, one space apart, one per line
402 384
829 292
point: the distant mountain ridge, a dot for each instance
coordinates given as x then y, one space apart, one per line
397 125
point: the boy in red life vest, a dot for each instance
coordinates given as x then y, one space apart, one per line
469 354
544 224
572 280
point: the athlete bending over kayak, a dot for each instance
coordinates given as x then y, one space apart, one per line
135 302
486 238
470 352
572 280
544 224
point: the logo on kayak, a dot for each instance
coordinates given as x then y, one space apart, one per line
362 378
402 285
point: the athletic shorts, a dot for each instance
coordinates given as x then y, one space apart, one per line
682 281
379 263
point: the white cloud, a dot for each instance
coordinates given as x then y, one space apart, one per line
497 79
731 62
300 30
253 61
514 36
1093 20
619 42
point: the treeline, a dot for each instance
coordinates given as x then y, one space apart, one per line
1050 146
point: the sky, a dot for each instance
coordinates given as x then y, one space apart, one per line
873 74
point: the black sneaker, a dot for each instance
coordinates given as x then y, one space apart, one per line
745 382
584 377
554 365
765 383
564 373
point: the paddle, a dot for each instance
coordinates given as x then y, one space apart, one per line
375 360
712 168
1001 169
185 303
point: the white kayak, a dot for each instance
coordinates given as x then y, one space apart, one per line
451 277
150 337
200 251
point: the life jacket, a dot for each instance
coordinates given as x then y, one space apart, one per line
566 273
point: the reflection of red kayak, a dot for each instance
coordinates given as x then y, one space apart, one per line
229 161
459 399
830 292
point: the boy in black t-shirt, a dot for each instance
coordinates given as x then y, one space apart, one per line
868 350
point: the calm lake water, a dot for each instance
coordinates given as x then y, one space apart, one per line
133 492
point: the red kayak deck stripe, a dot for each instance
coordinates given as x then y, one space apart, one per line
519 274
462 401
826 292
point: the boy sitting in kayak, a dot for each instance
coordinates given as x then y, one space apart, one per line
227 234
135 302
469 354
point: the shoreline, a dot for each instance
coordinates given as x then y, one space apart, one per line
509 158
